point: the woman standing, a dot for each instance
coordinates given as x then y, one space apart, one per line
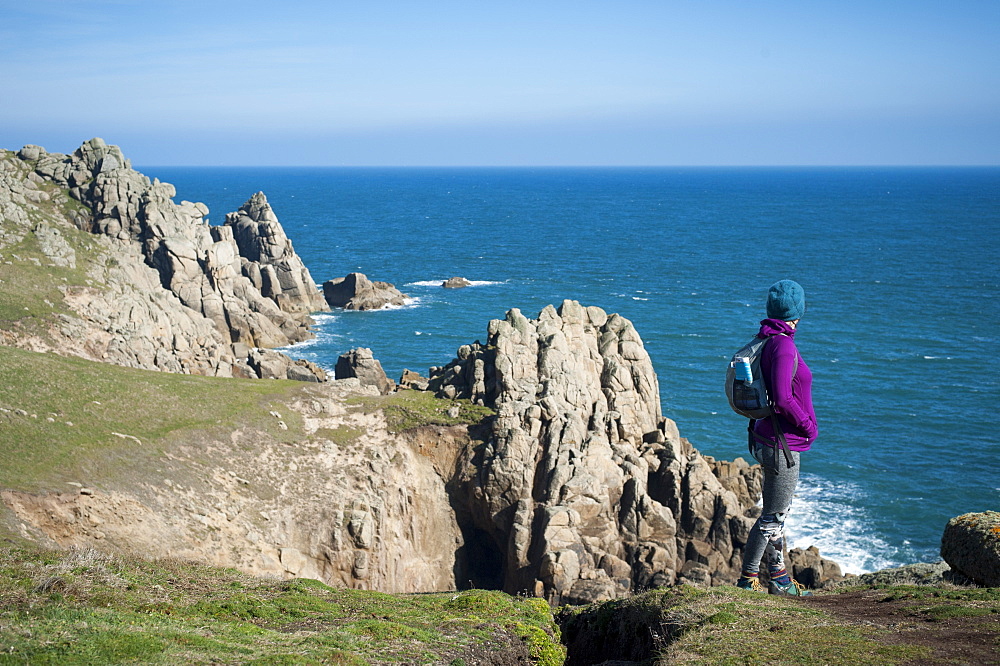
789 385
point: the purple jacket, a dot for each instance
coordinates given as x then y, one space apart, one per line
792 396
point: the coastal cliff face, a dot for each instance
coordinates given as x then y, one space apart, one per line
583 489
317 484
161 288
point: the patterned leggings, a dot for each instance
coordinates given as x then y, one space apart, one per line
767 537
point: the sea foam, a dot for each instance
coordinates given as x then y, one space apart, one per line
823 516
408 303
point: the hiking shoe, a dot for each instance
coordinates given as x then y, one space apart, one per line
792 589
750 584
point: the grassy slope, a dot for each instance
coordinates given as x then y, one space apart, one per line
63 414
68 420
88 608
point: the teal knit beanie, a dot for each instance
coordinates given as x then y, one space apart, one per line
786 300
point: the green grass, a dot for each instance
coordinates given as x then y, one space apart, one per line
411 409
344 436
72 409
85 608
72 420
948 611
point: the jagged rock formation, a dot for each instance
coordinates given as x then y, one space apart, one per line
356 292
268 260
360 363
166 291
971 546
455 283
583 489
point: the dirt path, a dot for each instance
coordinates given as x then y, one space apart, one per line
955 633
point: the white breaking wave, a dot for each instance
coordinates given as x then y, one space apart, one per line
299 346
424 283
322 331
820 517
438 283
408 303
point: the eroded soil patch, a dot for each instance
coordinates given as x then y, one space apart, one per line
966 632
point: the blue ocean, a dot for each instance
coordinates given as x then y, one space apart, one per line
902 329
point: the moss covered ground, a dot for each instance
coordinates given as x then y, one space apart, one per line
84 607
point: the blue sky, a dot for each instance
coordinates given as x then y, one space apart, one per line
692 82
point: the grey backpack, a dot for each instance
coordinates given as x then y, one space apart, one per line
747 390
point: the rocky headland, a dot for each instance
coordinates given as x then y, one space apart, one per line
538 462
159 288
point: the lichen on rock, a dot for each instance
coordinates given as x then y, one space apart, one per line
971 546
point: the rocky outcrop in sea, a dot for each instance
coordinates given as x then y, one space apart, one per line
164 290
356 292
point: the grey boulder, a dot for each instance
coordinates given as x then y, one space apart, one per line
971 546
